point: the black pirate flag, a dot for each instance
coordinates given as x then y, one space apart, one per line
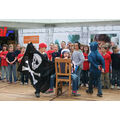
38 68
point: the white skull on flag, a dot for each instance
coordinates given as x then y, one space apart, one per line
37 60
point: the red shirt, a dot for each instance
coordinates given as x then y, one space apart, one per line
3 58
49 54
85 63
107 59
19 56
109 52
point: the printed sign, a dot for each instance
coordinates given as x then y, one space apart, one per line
33 39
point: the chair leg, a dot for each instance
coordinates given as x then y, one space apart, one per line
69 88
56 90
61 84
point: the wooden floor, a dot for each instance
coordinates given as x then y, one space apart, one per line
17 92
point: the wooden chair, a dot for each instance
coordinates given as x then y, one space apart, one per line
62 76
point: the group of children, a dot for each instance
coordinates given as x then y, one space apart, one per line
95 66
10 60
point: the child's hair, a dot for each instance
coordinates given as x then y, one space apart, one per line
102 37
87 47
108 45
22 48
68 56
79 45
105 47
5 45
114 48
10 47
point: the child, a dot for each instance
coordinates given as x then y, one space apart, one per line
85 69
74 77
56 53
4 64
42 49
115 67
78 59
11 59
20 56
96 61
105 76
17 52
49 52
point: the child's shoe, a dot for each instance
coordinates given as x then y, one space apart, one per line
82 85
37 95
49 91
112 87
86 85
21 83
118 87
74 93
99 95
26 83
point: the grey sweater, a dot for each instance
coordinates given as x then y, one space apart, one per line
78 58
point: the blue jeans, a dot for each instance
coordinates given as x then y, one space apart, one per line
74 78
24 76
78 72
12 70
4 70
95 77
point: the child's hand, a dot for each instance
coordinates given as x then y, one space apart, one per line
103 70
99 67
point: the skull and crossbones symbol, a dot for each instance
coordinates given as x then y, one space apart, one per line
37 60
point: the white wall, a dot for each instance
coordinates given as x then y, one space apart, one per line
50 34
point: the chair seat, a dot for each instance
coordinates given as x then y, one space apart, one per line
63 77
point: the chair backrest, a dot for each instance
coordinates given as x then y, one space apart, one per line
63 67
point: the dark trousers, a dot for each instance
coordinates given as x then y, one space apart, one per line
84 77
115 77
24 78
95 77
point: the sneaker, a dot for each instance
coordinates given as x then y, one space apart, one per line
99 95
82 85
21 83
76 94
89 92
112 87
86 85
118 87
37 95
26 83
49 91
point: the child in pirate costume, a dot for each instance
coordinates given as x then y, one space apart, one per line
96 62
74 77
42 49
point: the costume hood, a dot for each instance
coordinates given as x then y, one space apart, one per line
93 46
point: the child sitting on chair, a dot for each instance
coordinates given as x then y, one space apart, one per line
74 77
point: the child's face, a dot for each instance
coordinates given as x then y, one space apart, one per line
81 47
56 48
63 45
18 47
116 50
11 49
51 46
23 50
76 46
43 49
4 48
66 55
103 50
85 48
